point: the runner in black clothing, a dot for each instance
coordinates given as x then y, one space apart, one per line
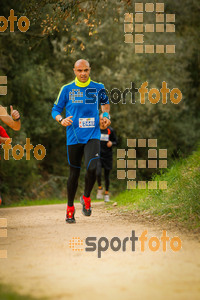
108 139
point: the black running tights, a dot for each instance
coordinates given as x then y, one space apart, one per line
106 176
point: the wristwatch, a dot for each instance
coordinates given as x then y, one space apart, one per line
60 120
16 119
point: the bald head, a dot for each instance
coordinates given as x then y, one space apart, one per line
80 62
82 70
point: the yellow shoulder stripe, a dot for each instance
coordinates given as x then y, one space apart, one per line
96 82
56 102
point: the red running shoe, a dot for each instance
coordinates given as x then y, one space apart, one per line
70 214
86 202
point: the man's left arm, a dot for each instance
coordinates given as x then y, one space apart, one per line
105 106
106 116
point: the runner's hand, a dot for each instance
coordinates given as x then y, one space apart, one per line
106 121
109 144
14 113
67 121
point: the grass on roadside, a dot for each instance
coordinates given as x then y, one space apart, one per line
181 199
6 293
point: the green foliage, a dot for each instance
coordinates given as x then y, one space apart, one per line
18 178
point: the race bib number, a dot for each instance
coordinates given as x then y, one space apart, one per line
86 122
104 137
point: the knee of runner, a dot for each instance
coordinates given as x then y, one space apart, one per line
73 176
98 172
92 166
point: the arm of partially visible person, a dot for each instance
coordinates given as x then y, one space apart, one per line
4 136
12 121
58 107
3 140
113 137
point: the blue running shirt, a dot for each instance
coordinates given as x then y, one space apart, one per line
81 100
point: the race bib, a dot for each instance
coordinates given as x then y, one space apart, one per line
86 122
104 137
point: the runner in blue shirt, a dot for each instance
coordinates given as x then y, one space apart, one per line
81 99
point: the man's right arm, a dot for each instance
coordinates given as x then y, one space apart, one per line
65 122
58 107
59 104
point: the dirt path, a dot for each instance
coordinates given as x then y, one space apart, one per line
40 262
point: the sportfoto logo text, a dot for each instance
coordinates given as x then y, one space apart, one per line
18 151
116 244
23 23
154 95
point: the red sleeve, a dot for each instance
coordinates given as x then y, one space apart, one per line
3 133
